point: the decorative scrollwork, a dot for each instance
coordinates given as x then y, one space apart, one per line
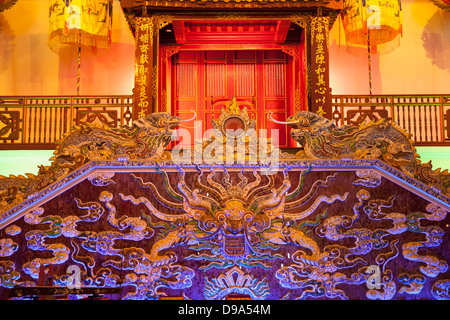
235 281
332 222
381 139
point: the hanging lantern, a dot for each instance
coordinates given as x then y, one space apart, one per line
374 24
443 4
383 18
80 22
6 4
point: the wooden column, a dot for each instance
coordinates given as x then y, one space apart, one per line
146 67
319 94
294 83
300 54
165 78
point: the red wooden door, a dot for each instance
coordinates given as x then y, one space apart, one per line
201 79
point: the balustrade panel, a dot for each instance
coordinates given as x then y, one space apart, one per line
39 122
426 117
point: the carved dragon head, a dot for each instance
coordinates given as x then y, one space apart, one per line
235 211
160 122
146 138
306 125
233 215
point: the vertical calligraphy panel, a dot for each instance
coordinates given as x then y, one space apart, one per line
145 67
319 66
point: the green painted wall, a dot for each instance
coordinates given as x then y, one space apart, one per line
27 161
439 156
18 162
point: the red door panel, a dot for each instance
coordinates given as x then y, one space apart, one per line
204 82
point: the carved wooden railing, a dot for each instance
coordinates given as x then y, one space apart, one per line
38 122
426 117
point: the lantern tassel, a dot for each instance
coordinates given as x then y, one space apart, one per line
369 51
79 66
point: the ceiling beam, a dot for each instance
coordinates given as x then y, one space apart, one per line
179 31
282 30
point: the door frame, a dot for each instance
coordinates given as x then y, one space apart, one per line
204 102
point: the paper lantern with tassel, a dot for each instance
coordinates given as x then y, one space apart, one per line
6 4
80 22
443 4
374 24
382 17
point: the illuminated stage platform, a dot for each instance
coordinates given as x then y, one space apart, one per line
347 217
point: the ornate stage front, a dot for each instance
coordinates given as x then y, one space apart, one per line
353 214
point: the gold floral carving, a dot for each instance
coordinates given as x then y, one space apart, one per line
297 103
319 25
231 16
169 51
301 20
244 4
155 81
161 21
292 50
163 101
308 79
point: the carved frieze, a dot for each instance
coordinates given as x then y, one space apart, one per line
353 216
